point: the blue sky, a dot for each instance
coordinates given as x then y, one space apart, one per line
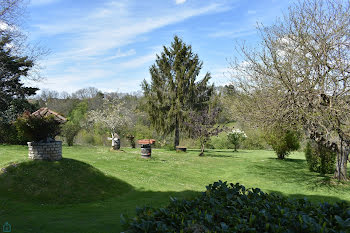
110 44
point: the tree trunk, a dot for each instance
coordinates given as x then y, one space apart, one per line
202 149
341 150
177 134
341 164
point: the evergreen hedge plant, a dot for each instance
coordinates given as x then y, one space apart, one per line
233 208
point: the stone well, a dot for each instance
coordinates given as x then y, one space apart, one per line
45 150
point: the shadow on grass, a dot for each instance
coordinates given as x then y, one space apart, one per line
206 154
98 214
217 153
291 171
296 171
312 198
289 160
232 151
70 196
60 182
67 181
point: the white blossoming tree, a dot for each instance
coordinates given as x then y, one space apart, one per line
113 115
236 137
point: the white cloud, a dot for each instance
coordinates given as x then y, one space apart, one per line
233 33
73 79
146 59
180 1
221 75
95 41
122 83
10 28
3 26
120 54
251 12
137 62
112 31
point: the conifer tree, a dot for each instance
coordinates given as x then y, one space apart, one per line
174 90
13 93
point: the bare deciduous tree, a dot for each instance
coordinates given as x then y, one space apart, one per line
201 125
114 115
11 12
86 93
12 18
301 75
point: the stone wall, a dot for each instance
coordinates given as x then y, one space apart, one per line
45 151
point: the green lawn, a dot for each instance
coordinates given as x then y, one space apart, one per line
142 182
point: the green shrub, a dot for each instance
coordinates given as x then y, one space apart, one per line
168 147
102 139
283 141
86 137
37 128
70 131
312 158
9 134
255 140
319 158
189 143
221 141
143 132
233 208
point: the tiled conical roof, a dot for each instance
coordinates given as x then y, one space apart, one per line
42 112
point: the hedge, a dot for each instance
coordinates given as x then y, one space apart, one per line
233 208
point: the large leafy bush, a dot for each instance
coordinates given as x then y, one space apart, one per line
283 141
233 208
76 118
36 128
70 130
319 159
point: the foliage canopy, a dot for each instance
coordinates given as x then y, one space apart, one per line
36 128
174 89
300 75
12 91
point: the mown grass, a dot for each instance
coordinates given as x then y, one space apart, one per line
93 186
66 181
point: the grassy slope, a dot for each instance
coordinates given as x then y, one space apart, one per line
153 181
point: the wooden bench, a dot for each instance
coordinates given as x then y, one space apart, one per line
181 149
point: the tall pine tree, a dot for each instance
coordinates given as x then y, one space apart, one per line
12 68
174 90
13 93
